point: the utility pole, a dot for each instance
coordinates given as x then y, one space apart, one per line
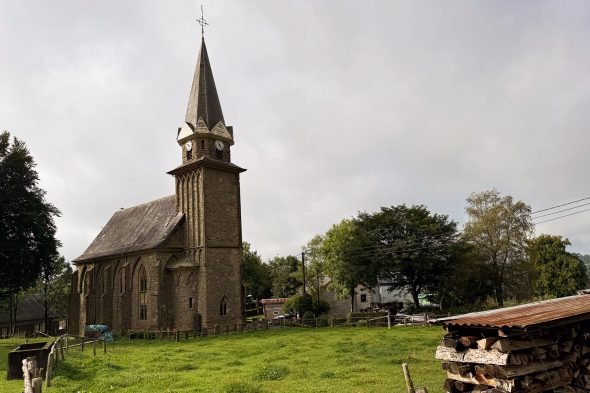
303 269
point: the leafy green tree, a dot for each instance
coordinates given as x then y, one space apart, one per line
53 288
556 272
340 251
302 303
27 227
255 274
468 283
283 276
499 228
315 269
409 247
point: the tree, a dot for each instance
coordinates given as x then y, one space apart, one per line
255 274
315 268
340 249
27 227
468 283
499 228
557 272
302 303
53 288
283 277
409 247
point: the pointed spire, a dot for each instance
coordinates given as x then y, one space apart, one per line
203 102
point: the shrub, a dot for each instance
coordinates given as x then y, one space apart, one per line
300 304
324 321
309 317
320 306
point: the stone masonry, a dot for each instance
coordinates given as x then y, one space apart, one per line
172 263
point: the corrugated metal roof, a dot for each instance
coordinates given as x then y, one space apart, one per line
134 229
274 301
526 315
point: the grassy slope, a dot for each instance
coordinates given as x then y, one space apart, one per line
286 360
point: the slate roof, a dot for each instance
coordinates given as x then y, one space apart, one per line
203 101
137 228
29 309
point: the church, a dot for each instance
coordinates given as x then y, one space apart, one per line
172 263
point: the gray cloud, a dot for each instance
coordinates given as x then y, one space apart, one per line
337 106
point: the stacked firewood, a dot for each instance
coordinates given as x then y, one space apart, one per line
496 361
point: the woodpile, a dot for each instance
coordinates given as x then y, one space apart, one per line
485 360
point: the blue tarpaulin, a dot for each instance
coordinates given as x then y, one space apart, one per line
104 330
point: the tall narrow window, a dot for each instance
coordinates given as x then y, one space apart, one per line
189 155
142 294
223 306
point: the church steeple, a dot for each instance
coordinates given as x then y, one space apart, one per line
204 134
203 102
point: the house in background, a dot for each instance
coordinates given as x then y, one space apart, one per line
273 307
30 319
365 298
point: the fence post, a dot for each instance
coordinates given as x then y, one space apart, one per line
94 347
82 345
61 348
67 343
388 321
104 346
409 382
48 371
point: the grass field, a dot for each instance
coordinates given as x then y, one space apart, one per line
283 360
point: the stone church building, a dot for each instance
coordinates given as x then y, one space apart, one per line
172 263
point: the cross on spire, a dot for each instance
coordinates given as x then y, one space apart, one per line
202 22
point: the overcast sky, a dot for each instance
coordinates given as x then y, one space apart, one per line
337 106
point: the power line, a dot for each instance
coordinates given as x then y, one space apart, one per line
563 210
565 215
563 204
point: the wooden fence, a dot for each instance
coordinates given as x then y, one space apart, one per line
33 376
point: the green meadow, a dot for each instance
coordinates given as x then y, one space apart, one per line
281 360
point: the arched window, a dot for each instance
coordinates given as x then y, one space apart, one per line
223 306
142 294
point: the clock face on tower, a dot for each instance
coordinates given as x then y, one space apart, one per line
188 145
219 145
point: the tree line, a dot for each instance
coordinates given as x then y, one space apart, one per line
493 258
30 264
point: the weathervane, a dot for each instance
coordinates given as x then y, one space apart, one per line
202 22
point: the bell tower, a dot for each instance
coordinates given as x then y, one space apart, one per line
208 194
